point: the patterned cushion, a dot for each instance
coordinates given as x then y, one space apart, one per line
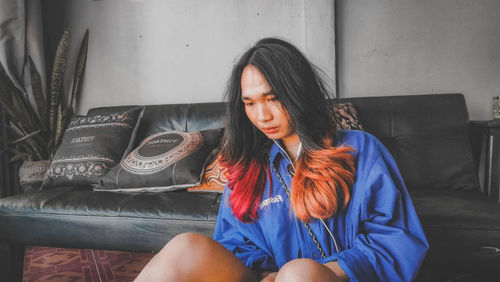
214 178
163 162
90 147
347 117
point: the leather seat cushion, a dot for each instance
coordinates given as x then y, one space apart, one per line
121 221
458 224
456 209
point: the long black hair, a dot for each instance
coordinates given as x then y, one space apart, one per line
302 91
296 83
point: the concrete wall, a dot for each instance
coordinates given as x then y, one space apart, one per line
177 51
391 47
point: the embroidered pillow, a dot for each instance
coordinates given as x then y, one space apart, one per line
214 178
347 117
163 162
90 147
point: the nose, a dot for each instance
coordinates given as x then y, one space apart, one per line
264 114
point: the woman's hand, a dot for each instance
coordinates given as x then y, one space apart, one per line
268 276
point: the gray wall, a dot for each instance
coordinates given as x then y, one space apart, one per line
180 51
391 47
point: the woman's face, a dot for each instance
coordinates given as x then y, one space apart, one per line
262 107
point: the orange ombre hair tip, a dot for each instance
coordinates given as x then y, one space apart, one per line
322 183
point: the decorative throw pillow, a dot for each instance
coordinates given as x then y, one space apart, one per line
163 162
214 178
347 117
91 146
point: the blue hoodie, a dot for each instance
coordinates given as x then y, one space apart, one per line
379 236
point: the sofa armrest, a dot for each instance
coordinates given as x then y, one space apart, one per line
485 138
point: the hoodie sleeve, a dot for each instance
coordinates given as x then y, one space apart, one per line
390 244
242 239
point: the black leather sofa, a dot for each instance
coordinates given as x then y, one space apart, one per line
430 136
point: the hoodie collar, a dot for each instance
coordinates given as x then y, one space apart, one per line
278 148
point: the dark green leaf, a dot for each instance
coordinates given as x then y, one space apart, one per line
57 80
19 157
26 137
36 86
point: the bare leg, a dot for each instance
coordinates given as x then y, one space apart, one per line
194 257
305 270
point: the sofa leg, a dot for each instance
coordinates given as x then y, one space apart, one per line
12 262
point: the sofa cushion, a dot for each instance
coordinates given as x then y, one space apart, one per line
347 117
457 209
78 218
91 146
426 134
163 162
459 224
214 177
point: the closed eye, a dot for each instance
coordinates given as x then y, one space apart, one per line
272 98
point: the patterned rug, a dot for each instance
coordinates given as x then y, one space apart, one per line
56 264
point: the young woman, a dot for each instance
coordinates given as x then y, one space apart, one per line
304 202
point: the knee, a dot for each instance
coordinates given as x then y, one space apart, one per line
186 244
175 260
187 239
304 269
297 270
185 252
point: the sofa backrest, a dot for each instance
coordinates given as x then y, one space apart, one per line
180 117
426 134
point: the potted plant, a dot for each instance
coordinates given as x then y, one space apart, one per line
37 129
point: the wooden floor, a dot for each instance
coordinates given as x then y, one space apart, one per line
55 264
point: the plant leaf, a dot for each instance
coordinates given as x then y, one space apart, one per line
79 68
22 104
26 137
19 157
57 80
36 86
79 71
32 145
13 116
59 127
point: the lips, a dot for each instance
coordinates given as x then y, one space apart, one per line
270 130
